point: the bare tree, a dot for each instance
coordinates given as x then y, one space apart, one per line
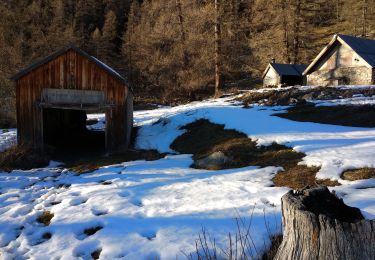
285 31
218 47
183 34
364 19
296 30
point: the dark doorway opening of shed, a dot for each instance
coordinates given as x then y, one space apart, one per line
65 133
291 80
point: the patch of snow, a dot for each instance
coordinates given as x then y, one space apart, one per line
359 194
149 209
100 125
354 101
8 138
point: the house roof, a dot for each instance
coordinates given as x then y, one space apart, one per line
47 59
365 48
286 69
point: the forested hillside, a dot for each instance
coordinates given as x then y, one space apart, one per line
167 46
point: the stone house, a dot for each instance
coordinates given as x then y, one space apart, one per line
283 74
346 60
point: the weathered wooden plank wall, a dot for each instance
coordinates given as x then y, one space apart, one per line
71 71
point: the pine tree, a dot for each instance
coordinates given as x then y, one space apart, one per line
129 40
88 17
61 32
109 35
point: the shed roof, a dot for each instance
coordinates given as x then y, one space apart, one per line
286 69
47 59
365 48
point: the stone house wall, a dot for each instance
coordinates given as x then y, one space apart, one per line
341 66
271 78
349 75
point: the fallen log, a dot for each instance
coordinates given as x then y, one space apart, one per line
318 225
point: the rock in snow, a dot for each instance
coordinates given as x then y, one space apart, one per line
213 161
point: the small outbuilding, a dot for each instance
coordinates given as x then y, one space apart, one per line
346 60
283 74
54 95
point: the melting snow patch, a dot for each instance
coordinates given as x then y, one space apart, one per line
8 138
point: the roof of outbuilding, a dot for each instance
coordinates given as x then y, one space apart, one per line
286 69
99 63
365 48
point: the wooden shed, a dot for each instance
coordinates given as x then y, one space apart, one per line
277 74
56 92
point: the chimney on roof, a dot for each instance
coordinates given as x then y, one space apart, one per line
273 60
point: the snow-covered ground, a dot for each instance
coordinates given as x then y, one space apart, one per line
8 138
334 148
354 101
157 209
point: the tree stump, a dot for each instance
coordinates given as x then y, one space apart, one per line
318 225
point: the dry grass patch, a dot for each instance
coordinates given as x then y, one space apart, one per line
93 163
357 116
359 174
203 138
45 218
47 236
245 152
294 95
300 176
96 253
92 231
22 158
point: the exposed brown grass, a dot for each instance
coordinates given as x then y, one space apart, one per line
96 253
300 176
92 231
47 236
90 164
359 174
45 218
22 158
245 152
203 138
297 96
357 116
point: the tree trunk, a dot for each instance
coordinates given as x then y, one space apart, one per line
183 34
318 225
296 29
286 31
218 73
364 19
